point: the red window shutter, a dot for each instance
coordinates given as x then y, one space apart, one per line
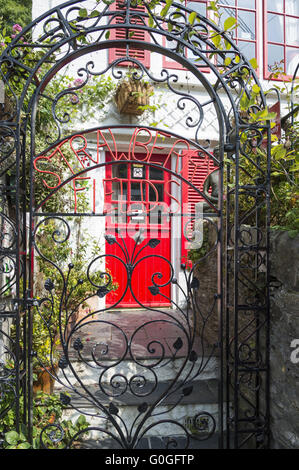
120 33
198 165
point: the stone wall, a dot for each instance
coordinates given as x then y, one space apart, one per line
284 317
284 329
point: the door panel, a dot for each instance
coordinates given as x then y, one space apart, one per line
137 207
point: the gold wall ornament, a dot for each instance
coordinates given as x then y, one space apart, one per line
132 95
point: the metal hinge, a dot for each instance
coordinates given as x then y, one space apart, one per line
31 302
24 303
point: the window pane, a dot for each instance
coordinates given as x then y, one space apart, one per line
292 31
292 7
119 189
246 4
275 28
275 55
292 58
276 5
226 13
136 192
156 196
155 173
248 49
119 171
201 8
246 25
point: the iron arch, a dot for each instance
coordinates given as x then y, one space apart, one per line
245 250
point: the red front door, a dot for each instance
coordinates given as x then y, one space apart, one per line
137 204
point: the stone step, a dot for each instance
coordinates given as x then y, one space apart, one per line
140 334
158 443
90 374
131 396
196 392
164 421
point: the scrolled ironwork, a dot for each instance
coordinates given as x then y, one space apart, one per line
142 384
65 36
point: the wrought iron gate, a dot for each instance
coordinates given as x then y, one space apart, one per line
93 372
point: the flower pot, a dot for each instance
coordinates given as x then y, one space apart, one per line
45 382
7 109
132 94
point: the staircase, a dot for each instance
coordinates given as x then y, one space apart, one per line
129 381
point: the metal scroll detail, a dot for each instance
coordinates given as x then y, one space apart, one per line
59 37
105 371
11 271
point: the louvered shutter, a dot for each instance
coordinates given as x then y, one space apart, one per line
197 166
120 33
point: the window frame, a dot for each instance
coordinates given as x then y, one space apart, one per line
285 45
237 40
171 64
167 63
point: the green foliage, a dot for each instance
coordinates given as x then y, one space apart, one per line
47 411
197 254
14 440
77 101
16 12
62 306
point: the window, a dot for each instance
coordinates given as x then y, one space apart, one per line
281 30
201 7
120 33
245 34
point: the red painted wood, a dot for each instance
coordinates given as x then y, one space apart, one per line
120 33
144 270
199 166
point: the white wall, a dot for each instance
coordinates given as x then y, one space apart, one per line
169 116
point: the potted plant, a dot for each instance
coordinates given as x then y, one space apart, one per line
46 355
133 96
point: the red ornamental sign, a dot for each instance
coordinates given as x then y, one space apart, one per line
276 130
57 167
